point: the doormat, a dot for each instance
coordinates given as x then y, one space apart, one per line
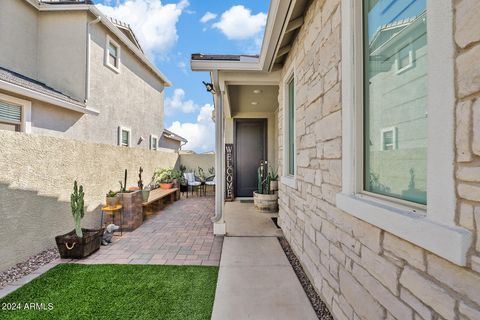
275 220
246 201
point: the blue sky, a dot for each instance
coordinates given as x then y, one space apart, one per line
170 31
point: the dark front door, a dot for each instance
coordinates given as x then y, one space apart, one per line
250 149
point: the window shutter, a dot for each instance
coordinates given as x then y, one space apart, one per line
10 113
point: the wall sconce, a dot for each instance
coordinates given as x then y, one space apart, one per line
209 87
140 140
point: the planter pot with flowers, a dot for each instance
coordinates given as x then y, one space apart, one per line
78 243
165 177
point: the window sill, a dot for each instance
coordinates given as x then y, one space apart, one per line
289 181
113 68
447 241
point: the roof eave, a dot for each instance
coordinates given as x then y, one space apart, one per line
277 16
10 87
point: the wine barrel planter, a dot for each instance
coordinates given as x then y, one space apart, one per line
72 247
265 202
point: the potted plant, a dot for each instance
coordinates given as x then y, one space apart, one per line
79 243
264 199
112 199
182 181
165 178
273 174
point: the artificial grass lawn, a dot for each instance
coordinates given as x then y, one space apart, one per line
80 291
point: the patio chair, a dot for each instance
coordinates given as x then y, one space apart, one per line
211 181
191 182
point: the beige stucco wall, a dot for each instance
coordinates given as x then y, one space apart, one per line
359 270
193 161
36 179
165 142
18 37
61 59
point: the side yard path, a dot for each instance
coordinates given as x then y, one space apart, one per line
179 234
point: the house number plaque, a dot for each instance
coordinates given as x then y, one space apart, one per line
229 195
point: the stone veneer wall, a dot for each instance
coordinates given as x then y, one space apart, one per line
36 179
361 271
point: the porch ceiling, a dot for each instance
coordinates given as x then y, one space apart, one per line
252 98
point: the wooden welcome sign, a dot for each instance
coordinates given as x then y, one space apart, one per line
229 195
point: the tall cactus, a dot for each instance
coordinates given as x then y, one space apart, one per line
77 204
263 178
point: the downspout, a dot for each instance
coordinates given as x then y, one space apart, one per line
87 71
219 139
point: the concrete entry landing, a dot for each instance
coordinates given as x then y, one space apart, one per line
256 281
242 220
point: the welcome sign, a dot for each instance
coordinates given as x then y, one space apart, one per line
229 195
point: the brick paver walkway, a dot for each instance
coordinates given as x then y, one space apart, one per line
180 234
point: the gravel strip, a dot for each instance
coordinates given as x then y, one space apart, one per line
320 308
24 268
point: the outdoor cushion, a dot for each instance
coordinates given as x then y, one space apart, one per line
190 177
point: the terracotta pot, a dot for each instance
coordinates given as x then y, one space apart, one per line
166 185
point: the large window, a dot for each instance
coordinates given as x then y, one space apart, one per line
291 126
395 99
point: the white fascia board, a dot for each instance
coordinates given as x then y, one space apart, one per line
125 40
10 87
208 65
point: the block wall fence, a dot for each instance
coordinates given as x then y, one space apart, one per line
36 179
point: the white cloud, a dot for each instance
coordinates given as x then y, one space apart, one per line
200 135
208 16
154 24
238 23
177 103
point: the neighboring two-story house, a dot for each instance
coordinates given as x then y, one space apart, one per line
68 70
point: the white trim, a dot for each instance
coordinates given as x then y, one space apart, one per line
435 228
26 112
286 177
107 63
7 86
152 136
394 137
410 64
119 134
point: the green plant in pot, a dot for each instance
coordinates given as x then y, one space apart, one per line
264 199
273 174
111 198
78 243
165 177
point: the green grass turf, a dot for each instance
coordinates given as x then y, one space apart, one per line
80 291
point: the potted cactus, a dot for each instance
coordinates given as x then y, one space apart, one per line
111 199
264 199
78 243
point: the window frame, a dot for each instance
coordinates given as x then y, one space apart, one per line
432 226
394 138
26 111
152 136
119 134
410 65
287 178
109 41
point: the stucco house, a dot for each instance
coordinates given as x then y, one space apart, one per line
67 70
171 140
370 111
